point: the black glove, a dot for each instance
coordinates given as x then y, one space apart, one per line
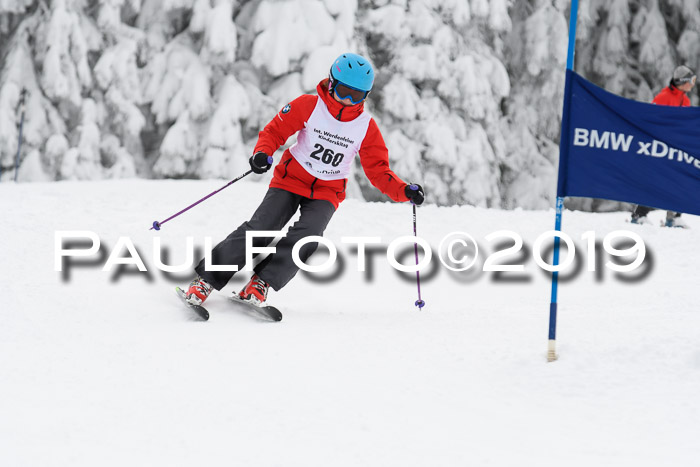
414 193
260 162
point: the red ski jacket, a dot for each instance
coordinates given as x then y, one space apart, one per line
291 176
671 95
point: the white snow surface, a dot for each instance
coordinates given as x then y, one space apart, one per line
113 372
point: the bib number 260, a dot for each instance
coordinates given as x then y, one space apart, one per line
327 155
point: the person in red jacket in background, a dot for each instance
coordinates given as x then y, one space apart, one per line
331 127
675 94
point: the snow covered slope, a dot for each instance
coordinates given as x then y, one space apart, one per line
98 369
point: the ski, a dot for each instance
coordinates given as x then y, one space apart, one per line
201 312
268 312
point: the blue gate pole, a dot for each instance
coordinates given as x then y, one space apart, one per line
21 125
551 349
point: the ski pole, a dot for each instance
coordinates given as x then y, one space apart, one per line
21 124
419 303
157 225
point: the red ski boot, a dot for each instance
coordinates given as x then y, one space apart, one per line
255 291
198 292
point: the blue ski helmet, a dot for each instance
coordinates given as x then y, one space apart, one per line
353 70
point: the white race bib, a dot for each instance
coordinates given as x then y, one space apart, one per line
326 147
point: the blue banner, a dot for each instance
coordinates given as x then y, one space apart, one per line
624 150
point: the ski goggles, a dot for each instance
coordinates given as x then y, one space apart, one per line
343 91
688 79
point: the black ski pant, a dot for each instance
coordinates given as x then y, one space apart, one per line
641 211
276 209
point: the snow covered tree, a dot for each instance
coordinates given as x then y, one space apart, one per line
215 96
468 92
439 89
536 59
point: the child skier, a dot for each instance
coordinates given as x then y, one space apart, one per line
332 127
682 82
